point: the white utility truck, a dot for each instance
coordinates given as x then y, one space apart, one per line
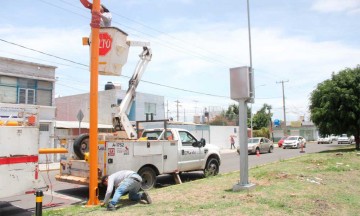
149 156
19 150
155 153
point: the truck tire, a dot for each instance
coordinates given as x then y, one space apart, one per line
212 167
81 146
148 176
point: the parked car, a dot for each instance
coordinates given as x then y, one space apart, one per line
260 144
281 141
323 140
294 142
344 139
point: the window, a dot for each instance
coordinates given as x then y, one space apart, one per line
44 93
169 135
26 96
150 108
186 138
44 127
25 91
8 89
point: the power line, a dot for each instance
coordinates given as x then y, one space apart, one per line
42 52
170 45
181 89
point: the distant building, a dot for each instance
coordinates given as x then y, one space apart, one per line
144 105
306 129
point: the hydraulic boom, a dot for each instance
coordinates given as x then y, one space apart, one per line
120 120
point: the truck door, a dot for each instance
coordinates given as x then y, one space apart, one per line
189 155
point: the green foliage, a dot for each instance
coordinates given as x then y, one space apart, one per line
335 104
263 132
262 117
231 117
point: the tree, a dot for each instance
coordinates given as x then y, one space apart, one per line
232 114
335 104
220 120
262 118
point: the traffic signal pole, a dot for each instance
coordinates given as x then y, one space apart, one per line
93 136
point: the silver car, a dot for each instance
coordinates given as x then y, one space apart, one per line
260 144
294 142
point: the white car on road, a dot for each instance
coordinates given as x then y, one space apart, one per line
294 142
322 140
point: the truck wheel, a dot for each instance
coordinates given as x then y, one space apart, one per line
212 167
81 146
148 176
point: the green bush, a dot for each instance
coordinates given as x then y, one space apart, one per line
263 132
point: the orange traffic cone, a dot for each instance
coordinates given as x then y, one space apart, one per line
258 153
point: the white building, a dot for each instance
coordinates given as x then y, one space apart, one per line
144 104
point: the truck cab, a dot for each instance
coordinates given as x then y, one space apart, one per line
193 154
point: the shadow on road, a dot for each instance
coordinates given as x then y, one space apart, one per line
6 208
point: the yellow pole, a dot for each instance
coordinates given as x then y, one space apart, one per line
93 181
52 150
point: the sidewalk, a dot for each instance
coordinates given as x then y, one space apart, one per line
225 151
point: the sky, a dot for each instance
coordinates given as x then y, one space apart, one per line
194 44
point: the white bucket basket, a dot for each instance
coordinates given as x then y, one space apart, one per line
113 51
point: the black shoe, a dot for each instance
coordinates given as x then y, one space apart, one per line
145 196
111 207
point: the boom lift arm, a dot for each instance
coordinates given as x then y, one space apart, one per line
120 119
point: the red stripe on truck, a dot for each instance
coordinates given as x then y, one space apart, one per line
18 159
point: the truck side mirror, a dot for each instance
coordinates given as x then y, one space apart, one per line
199 144
203 142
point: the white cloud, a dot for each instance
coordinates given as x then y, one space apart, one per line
351 6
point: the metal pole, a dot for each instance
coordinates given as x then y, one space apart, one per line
93 135
251 120
249 31
39 197
250 54
244 162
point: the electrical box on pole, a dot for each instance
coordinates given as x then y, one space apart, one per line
242 90
242 84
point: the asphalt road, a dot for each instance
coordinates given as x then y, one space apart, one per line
64 194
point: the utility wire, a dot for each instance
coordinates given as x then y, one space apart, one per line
162 43
181 89
44 53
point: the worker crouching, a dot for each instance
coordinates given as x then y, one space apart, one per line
125 181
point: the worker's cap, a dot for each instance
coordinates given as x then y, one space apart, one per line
105 9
